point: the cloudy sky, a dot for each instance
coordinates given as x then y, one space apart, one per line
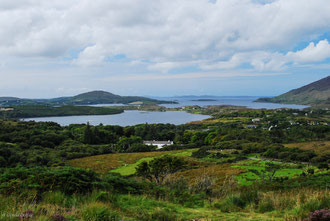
162 47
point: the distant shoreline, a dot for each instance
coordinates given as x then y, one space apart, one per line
204 100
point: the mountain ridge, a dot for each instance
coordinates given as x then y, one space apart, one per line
316 93
87 98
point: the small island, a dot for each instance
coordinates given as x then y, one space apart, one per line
29 111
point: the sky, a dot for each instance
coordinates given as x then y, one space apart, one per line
162 47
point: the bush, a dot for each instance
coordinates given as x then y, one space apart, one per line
58 217
65 179
230 204
201 152
319 215
250 197
117 183
266 205
323 166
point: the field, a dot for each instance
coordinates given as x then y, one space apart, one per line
218 172
123 163
231 183
318 146
247 177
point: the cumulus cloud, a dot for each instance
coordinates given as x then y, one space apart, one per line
312 53
166 34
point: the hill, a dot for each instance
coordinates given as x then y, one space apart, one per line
89 98
314 94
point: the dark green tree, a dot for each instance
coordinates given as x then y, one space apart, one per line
159 168
88 134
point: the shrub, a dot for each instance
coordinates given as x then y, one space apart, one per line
231 204
65 179
58 217
319 215
266 205
117 183
323 166
201 152
250 197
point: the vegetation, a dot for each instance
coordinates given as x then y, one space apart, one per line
48 111
89 98
218 169
316 94
159 169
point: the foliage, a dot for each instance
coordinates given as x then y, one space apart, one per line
48 111
159 168
319 215
66 179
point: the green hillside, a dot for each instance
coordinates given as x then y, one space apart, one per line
315 94
93 97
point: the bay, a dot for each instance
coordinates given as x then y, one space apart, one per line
246 101
128 118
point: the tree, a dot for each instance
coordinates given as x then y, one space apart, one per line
88 134
159 168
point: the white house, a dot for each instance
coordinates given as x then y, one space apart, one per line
159 144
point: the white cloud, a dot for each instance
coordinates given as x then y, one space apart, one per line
312 53
196 75
167 34
274 61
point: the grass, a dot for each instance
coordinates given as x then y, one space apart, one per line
109 162
217 172
129 169
286 205
248 178
320 147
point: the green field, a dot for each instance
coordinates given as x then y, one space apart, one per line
248 178
129 169
123 163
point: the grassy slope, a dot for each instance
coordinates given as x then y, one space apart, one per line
316 93
127 206
107 162
125 163
286 205
320 147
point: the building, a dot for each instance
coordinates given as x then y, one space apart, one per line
159 144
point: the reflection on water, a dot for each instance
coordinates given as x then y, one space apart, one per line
127 118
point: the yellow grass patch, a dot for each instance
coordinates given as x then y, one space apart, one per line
320 147
105 163
217 172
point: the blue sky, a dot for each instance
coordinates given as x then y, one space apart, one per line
162 47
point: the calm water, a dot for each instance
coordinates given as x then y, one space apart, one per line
246 101
173 117
128 118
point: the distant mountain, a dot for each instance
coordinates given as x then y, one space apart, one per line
8 98
315 94
89 98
